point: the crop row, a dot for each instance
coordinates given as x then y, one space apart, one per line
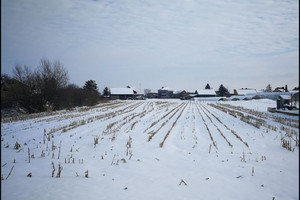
258 120
174 123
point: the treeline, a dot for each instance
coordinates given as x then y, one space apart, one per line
45 88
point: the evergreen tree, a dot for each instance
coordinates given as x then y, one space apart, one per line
106 92
207 87
223 91
91 85
268 88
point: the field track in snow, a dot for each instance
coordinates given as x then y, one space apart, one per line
118 133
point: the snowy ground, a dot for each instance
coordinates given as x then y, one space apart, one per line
153 149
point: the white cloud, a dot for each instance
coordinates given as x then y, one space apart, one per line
193 38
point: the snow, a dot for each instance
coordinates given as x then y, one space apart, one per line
294 112
209 98
206 92
166 88
246 91
178 91
125 164
260 105
286 97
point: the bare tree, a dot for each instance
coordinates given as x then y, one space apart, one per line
60 74
53 72
18 73
45 88
50 77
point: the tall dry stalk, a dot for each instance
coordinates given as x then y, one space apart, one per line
59 150
60 168
28 155
53 169
9 172
44 137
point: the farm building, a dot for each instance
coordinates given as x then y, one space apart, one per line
281 89
206 93
122 93
165 93
295 99
283 101
181 94
244 91
295 96
290 101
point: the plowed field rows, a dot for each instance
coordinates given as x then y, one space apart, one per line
219 150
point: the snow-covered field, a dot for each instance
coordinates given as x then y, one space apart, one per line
153 149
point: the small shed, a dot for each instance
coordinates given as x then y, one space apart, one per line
283 101
295 96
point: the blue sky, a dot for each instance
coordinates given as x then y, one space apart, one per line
182 44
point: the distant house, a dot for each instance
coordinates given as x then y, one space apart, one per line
244 91
122 93
181 94
151 95
165 93
295 99
205 93
281 89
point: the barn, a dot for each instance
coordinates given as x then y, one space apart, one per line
122 93
206 93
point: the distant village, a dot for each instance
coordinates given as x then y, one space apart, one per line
285 98
47 89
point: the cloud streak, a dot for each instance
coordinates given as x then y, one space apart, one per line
172 41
